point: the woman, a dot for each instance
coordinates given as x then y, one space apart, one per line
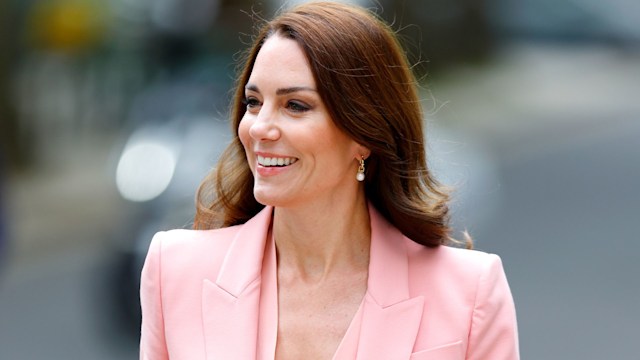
321 232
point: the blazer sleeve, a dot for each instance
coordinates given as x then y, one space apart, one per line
152 340
494 333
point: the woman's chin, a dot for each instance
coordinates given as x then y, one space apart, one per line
271 198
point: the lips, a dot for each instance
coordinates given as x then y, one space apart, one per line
274 161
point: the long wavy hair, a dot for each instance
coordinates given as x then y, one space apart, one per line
366 82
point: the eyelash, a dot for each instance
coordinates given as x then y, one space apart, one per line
294 106
250 102
297 107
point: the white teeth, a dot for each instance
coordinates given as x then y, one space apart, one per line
275 161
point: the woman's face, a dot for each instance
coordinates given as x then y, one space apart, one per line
295 151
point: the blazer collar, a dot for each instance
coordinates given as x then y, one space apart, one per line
391 317
231 304
243 263
388 263
388 266
390 320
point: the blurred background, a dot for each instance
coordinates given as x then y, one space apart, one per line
111 112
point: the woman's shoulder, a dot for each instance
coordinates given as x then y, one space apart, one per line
178 246
461 266
177 239
471 258
185 257
455 277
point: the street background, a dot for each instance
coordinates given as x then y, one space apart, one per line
112 112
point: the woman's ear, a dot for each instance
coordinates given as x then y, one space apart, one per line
362 152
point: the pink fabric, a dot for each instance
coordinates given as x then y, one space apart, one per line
202 293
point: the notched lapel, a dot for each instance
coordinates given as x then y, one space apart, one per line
231 303
229 322
243 262
389 332
391 317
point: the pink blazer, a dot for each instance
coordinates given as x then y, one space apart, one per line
213 295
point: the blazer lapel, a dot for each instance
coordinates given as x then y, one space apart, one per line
391 318
230 303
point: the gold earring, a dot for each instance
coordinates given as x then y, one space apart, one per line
360 175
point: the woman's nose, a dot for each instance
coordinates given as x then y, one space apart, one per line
265 127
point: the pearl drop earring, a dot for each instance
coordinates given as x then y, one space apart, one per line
360 175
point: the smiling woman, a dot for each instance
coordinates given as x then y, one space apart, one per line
369 93
286 121
321 234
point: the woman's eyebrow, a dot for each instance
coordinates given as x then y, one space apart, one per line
252 87
282 91
289 90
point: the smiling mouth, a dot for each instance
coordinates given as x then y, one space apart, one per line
276 161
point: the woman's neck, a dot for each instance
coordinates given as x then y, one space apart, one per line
319 239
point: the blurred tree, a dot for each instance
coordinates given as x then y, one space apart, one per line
67 25
11 153
440 32
238 17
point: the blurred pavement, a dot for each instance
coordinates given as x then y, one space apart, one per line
57 296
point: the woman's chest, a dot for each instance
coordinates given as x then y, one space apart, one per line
312 323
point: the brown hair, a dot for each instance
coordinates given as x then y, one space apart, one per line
365 81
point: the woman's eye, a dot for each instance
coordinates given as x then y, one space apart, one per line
297 106
251 102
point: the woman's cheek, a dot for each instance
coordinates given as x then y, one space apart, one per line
245 139
243 133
